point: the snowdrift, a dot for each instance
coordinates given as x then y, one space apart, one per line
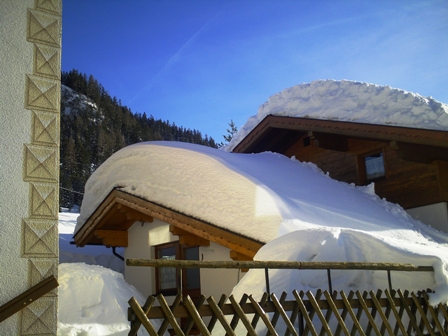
93 301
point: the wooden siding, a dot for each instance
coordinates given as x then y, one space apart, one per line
410 184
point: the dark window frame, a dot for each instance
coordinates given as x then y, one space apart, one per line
157 248
362 169
179 255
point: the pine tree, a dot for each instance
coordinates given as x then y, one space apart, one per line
230 133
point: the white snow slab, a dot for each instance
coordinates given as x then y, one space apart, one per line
267 195
67 222
93 301
350 101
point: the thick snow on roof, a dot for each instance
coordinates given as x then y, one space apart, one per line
351 101
267 195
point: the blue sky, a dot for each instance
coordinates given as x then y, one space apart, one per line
201 63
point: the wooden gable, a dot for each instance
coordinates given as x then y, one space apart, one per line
416 160
110 221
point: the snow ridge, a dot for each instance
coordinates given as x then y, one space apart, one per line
351 101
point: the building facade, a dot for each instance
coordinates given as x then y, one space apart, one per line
30 57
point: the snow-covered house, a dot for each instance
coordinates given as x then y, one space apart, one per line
361 133
172 200
179 200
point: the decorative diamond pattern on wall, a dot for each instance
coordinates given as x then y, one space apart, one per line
52 6
42 93
41 163
40 269
46 128
40 317
44 28
44 200
47 61
39 241
41 238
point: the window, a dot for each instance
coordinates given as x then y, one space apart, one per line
374 166
371 167
167 278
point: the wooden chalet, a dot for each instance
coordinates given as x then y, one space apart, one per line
148 230
408 165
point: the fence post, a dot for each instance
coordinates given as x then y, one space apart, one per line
389 280
329 280
268 289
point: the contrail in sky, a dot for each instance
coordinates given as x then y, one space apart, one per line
172 61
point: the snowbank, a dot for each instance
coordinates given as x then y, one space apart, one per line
93 300
339 244
350 101
93 296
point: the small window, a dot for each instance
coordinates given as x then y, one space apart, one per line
374 166
166 277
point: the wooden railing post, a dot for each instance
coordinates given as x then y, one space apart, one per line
26 298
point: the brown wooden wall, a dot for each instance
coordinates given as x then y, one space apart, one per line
407 183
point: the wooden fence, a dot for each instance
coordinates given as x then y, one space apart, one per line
392 312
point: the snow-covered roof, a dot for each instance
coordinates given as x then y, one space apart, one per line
350 101
254 195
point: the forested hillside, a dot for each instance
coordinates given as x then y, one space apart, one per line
95 125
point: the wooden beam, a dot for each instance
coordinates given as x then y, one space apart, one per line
188 239
236 256
329 141
134 215
349 129
420 153
205 230
113 238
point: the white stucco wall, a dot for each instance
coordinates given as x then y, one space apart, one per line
30 49
15 62
435 215
215 282
142 238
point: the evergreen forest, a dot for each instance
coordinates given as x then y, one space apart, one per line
95 125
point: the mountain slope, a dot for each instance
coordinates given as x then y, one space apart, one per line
95 125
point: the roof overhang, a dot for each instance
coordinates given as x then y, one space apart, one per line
109 223
276 133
